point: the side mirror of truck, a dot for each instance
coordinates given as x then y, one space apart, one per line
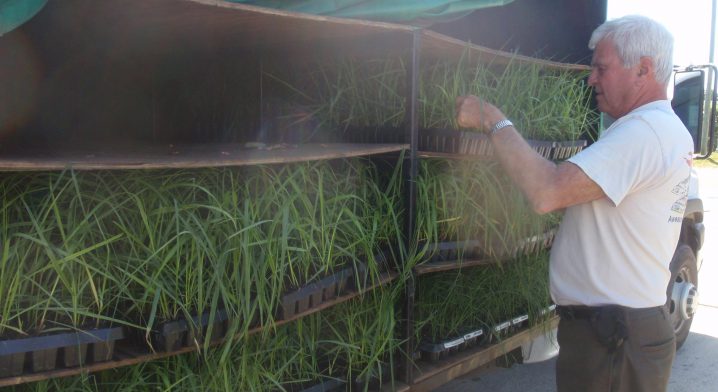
694 101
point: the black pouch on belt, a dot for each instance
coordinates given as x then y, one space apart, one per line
609 325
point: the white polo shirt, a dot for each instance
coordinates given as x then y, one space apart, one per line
617 250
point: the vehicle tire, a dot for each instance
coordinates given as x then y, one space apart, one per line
682 292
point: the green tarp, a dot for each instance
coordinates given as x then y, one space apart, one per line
421 12
13 13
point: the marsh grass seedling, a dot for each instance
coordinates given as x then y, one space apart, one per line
87 249
461 201
369 95
450 304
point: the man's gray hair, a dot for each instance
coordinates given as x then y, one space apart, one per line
636 36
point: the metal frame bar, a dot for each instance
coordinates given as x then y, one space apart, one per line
412 135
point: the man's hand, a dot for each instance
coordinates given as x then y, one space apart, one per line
474 112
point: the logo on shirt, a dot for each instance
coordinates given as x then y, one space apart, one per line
679 206
682 188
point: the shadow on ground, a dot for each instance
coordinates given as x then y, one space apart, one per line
693 371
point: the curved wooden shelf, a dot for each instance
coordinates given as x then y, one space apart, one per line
553 150
537 242
431 375
442 46
182 156
168 24
447 155
283 25
440 266
127 354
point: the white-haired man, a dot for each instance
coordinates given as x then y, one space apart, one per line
624 198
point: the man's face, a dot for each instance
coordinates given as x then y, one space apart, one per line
614 85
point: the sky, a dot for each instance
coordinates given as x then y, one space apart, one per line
688 20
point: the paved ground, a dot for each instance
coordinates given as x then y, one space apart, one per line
695 365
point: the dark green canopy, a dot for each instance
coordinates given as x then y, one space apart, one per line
13 13
402 11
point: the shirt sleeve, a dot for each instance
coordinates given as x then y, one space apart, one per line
624 159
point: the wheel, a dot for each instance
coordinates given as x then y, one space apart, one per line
682 292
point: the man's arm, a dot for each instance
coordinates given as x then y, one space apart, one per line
546 185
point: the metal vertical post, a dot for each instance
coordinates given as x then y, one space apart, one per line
711 55
412 164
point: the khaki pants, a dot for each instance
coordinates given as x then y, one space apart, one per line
642 363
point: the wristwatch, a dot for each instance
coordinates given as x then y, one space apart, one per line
500 125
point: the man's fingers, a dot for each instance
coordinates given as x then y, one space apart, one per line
466 110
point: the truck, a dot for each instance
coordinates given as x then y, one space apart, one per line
694 102
136 98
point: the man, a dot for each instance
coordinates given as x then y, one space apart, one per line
624 197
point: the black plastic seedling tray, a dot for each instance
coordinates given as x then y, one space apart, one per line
567 149
519 322
327 386
438 351
174 335
48 352
350 279
500 330
316 293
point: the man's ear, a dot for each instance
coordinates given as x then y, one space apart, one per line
645 66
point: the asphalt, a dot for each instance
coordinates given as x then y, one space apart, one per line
695 365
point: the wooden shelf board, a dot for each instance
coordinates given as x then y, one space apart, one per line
439 266
432 375
442 46
384 279
181 156
127 355
143 24
446 155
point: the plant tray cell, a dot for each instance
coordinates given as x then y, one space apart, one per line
44 360
374 135
500 330
454 142
170 336
176 334
362 277
475 143
301 300
330 385
567 149
344 277
102 348
74 356
544 148
534 244
473 338
339 284
547 311
450 251
102 352
519 322
438 351
12 365
199 326
369 382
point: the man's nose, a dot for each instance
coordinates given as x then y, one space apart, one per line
592 78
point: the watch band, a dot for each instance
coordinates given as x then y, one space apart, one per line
500 125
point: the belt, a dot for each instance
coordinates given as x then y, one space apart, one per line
582 312
578 312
